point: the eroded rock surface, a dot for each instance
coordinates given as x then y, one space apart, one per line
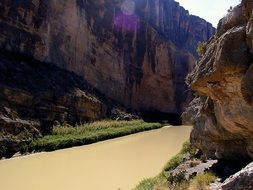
189 169
243 180
223 114
139 59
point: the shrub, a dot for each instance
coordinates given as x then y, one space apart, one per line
147 184
203 158
201 49
177 179
182 186
153 183
201 182
188 148
24 149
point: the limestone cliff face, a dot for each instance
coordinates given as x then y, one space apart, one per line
223 114
135 52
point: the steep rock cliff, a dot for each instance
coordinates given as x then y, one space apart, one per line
135 52
36 95
223 114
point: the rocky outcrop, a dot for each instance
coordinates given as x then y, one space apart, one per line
222 114
120 114
190 169
239 181
135 52
15 133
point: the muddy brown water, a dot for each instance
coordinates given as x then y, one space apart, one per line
110 165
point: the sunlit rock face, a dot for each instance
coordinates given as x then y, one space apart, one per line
135 52
223 114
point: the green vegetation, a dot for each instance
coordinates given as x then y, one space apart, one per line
201 49
164 180
68 136
160 182
153 183
201 182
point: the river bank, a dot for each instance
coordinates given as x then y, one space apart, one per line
172 178
118 163
191 170
68 136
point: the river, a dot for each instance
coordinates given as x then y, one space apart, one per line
110 165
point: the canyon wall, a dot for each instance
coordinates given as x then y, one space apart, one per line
134 52
222 111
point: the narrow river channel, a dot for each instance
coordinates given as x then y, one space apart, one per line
110 165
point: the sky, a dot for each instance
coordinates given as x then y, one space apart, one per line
210 10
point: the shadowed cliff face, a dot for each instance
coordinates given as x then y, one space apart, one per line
222 116
136 52
35 95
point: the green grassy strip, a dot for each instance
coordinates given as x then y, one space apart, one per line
67 136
